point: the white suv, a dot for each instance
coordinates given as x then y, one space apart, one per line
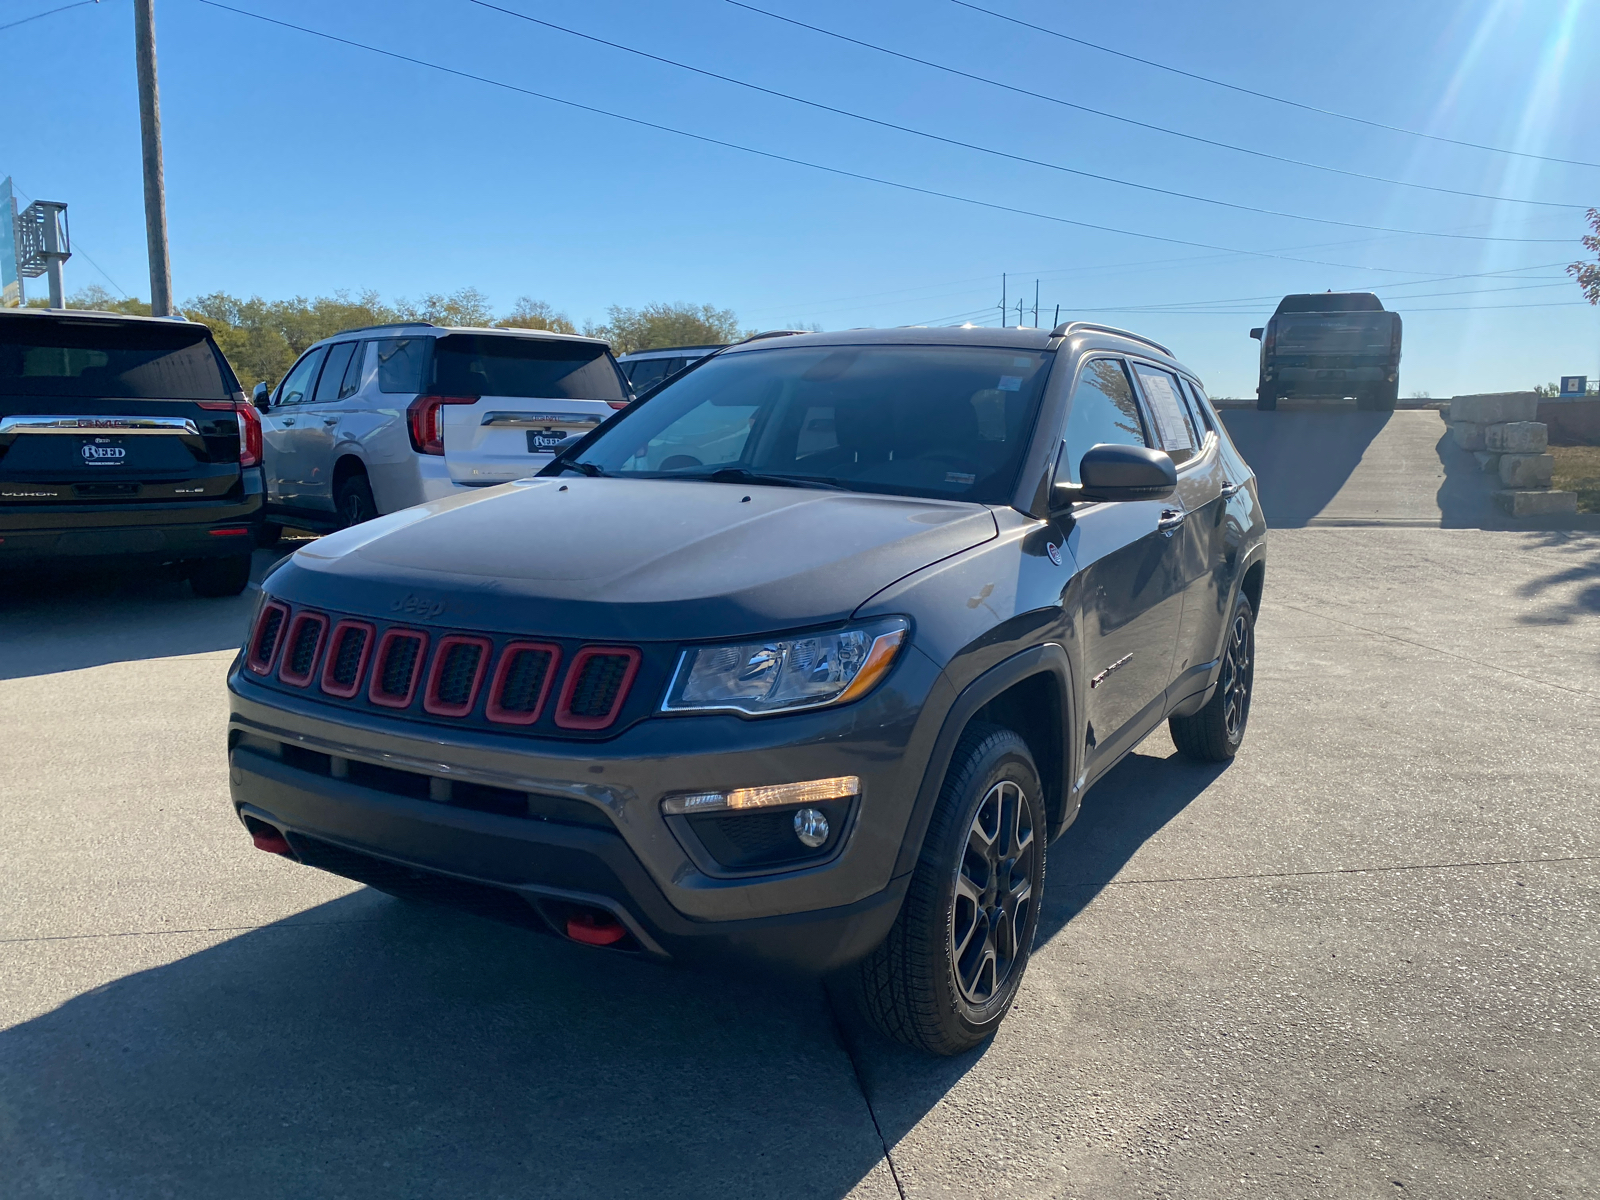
374 420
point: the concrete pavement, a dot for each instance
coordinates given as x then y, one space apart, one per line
1361 960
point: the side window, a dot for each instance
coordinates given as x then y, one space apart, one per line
400 363
332 378
1167 408
647 372
1103 411
1197 408
352 375
296 385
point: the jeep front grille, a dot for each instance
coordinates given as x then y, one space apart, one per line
399 662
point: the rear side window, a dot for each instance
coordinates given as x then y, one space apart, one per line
1104 412
1174 427
333 373
647 372
105 359
352 375
477 364
401 362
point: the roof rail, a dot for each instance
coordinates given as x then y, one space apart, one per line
1068 328
772 333
386 325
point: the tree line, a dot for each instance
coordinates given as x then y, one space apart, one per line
262 338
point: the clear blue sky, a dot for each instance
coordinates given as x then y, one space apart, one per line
299 166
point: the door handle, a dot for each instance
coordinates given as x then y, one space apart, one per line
288 420
330 420
1171 518
1230 490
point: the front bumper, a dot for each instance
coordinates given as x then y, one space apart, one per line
290 768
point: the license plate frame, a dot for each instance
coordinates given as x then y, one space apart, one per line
102 451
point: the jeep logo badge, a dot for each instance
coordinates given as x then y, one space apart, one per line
417 606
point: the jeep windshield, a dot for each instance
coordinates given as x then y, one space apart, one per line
950 422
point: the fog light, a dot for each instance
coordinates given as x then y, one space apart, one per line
811 827
841 787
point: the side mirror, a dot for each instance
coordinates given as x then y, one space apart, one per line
261 397
1119 473
1256 333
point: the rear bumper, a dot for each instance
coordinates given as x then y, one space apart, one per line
1319 381
160 532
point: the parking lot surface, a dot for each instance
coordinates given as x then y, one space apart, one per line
1361 960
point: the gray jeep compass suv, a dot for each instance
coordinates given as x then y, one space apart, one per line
806 657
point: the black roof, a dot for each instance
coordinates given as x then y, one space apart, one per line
1313 302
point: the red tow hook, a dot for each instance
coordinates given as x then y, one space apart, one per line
595 929
269 839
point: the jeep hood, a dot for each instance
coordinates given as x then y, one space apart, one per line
630 559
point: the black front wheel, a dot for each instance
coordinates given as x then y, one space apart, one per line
1215 733
946 975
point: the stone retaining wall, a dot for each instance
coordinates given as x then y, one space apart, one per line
1505 436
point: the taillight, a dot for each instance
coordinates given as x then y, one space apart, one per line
249 427
424 425
249 435
1394 336
1272 336
619 403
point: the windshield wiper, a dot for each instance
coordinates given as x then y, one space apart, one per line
582 468
741 475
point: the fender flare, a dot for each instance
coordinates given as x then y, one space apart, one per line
1048 659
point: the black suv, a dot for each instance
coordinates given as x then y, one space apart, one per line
127 438
1328 345
807 657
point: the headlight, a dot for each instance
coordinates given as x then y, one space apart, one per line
783 674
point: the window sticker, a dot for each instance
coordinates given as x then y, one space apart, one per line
1174 429
1010 383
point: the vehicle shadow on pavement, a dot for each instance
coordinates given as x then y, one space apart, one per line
1301 459
65 620
370 1047
1120 813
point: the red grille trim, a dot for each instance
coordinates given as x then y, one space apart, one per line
288 640
502 716
380 656
257 661
430 695
345 691
565 718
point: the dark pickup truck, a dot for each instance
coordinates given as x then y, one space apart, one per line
125 439
1328 345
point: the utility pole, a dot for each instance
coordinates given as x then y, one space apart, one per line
155 187
1002 300
1036 304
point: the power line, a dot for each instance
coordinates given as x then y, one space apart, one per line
981 149
1111 116
52 12
784 158
1233 87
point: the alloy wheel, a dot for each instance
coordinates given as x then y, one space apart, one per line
993 892
1237 676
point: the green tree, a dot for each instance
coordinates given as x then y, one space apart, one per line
468 306
529 313
656 325
1588 273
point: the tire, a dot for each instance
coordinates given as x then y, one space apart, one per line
1267 401
354 502
1215 733
220 576
268 534
927 985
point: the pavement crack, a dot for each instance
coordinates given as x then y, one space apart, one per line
1394 637
843 1038
1498 862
